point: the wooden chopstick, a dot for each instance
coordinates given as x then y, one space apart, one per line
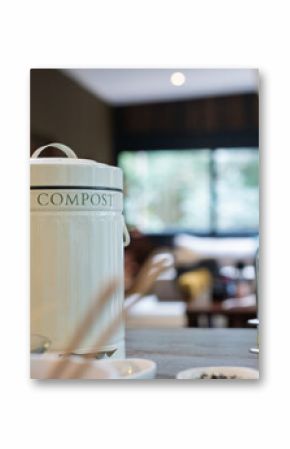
105 335
147 272
85 324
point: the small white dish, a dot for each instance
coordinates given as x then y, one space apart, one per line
40 365
239 372
131 368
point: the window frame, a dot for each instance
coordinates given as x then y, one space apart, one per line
213 196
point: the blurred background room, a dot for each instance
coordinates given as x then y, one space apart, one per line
187 141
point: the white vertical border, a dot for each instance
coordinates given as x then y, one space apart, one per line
147 34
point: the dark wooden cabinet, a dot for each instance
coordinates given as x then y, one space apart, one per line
206 122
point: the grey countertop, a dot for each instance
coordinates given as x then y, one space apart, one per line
177 349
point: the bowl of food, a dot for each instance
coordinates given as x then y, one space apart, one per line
219 372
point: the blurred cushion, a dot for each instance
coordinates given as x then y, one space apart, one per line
195 283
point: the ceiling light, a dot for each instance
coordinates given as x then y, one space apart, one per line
177 79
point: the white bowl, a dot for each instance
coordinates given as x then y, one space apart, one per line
40 365
130 368
239 372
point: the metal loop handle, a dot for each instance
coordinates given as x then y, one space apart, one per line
126 235
60 146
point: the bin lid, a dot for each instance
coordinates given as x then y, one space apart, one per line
71 171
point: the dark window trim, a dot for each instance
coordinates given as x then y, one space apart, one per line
176 142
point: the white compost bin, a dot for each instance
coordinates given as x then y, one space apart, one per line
77 238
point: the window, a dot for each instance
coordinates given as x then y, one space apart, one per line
204 191
237 189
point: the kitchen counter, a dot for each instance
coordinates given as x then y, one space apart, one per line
178 349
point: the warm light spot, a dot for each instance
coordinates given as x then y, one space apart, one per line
177 79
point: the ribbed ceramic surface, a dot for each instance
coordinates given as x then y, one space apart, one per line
76 247
73 255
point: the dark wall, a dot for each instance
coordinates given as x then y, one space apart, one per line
62 111
207 122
